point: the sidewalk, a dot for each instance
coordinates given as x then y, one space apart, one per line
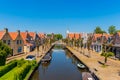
111 72
17 57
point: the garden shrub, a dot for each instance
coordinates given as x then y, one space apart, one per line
22 71
2 58
5 50
20 62
8 67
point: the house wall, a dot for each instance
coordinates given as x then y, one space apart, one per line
17 45
7 38
117 39
26 49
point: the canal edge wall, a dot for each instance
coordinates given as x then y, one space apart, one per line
73 52
38 63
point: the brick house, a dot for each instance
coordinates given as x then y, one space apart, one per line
35 39
12 39
42 38
99 39
116 45
17 42
97 42
26 40
5 37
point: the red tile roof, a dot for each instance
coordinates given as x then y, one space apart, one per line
13 35
24 36
95 36
106 35
71 35
2 33
74 35
41 35
118 33
77 35
32 34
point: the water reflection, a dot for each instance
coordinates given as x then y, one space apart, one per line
63 66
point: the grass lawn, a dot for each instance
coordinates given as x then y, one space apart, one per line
9 75
1 67
12 74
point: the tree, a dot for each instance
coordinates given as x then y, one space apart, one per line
103 32
58 36
4 52
89 43
106 52
81 43
98 30
37 43
65 41
117 30
106 55
112 30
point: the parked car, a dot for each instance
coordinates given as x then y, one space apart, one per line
30 57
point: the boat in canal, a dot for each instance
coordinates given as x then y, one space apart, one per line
80 65
46 59
87 76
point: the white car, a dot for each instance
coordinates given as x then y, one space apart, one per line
30 57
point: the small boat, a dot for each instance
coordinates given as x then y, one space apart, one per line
46 59
87 76
79 65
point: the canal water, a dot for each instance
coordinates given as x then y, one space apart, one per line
63 66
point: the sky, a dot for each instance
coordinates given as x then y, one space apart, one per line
56 16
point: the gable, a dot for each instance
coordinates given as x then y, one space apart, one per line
2 33
13 35
6 37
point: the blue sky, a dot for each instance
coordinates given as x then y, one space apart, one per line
59 15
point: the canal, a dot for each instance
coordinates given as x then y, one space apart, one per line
63 66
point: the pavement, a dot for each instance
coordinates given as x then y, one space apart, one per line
94 63
38 58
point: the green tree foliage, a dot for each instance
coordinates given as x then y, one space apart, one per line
89 43
106 52
4 52
98 30
117 30
106 55
112 30
81 42
58 36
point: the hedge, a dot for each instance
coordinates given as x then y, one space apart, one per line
7 67
2 58
22 71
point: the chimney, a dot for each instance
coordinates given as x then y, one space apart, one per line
18 31
6 30
26 31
